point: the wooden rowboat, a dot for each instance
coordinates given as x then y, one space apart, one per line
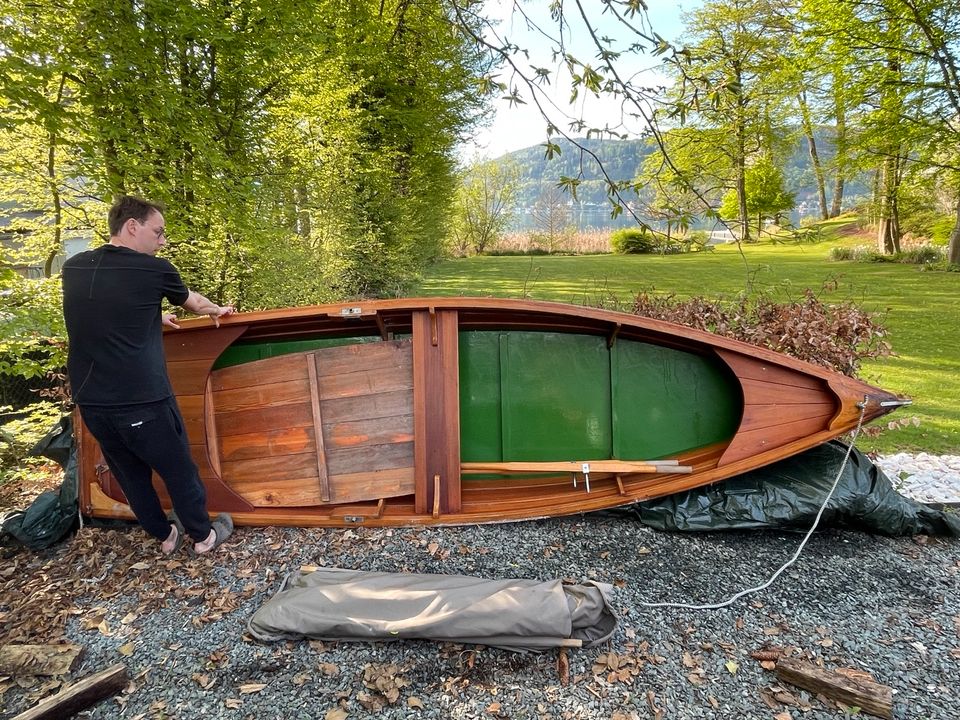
445 411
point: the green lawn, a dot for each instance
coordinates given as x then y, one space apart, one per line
922 310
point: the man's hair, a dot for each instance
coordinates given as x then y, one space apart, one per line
127 207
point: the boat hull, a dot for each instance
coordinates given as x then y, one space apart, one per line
444 411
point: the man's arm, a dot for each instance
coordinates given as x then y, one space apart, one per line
198 304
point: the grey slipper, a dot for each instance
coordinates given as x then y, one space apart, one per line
222 528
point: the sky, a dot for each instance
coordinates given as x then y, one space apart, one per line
519 126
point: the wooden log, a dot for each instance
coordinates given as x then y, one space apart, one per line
17 660
79 696
871 697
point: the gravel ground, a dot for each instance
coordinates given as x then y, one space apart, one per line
889 606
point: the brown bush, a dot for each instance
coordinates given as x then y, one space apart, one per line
836 336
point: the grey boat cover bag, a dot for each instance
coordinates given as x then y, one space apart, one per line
788 495
518 615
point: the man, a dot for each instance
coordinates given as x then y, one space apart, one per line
118 376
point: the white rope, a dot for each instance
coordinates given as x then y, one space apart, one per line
768 583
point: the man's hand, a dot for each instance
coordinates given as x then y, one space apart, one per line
220 312
170 320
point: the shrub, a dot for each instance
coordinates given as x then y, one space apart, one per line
837 336
632 241
858 253
921 255
20 434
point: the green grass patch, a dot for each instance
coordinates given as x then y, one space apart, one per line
919 308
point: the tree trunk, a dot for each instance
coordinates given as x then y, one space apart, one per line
840 156
814 156
953 249
888 231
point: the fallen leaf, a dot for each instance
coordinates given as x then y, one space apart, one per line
233 703
129 618
768 664
783 716
104 628
140 566
328 669
413 702
249 688
493 708
127 649
335 714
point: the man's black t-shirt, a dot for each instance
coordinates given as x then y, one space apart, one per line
112 305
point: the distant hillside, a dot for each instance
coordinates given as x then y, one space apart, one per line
622 160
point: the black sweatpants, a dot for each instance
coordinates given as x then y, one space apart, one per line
138 439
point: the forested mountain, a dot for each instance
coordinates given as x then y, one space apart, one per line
623 160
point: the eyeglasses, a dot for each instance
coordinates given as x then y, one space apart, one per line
162 232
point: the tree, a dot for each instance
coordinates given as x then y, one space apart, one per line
552 214
313 136
484 205
727 82
766 194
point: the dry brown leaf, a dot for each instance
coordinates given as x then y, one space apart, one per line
328 669
689 661
104 628
248 688
655 710
768 631
417 703
493 708
768 664
783 716
129 618
140 566
233 703
335 714
127 649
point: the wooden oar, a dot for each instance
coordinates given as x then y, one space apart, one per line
595 466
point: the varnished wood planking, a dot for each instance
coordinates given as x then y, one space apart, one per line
242 422
354 384
748 443
200 342
758 392
188 377
365 433
369 407
363 357
265 395
270 469
273 492
347 461
270 370
754 369
267 443
387 483
773 414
